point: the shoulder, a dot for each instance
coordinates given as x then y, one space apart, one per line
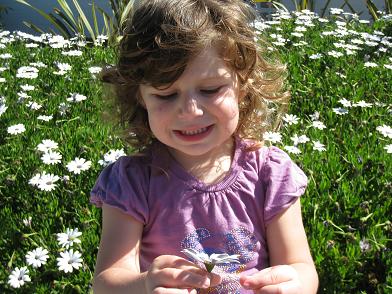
126 165
279 165
258 154
270 162
124 172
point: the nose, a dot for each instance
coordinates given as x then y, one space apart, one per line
190 107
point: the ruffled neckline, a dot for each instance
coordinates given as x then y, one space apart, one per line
163 158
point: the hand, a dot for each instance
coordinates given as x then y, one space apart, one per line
169 274
273 280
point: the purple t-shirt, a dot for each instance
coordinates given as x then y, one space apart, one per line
179 211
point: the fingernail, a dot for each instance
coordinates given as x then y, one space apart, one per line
206 283
246 284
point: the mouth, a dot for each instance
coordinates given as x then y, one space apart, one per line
195 134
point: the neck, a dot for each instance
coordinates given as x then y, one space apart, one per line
209 168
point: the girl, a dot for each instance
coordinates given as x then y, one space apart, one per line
196 92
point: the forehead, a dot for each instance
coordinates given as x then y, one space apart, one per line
207 64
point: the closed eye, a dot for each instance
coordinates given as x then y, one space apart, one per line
166 97
210 91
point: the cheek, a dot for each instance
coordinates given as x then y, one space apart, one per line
230 105
158 116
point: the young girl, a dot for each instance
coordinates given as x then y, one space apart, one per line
196 92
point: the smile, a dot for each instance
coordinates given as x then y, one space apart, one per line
194 135
194 132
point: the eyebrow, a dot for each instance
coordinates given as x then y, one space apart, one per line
214 78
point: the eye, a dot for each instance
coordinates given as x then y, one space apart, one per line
166 97
210 91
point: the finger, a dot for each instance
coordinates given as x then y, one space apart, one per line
290 287
162 290
269 276
179 278
215 279
165 261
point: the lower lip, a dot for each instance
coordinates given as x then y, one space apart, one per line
195 137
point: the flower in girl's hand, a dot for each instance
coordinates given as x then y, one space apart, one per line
210 260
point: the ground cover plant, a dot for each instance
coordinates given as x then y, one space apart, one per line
53 144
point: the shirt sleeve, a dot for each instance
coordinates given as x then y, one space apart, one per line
284 181
123 185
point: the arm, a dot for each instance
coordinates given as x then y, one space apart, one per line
292 269
117 268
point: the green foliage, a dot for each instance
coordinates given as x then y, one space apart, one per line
374 11
69 24
3 9
347 203
310 4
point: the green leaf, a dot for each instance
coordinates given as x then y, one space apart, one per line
64 5
372 9
33 27
93 10
125 14
46 16
84 20
66 20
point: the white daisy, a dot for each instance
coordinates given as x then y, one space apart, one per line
16 129
47 182
291 119
72 53
335 54
76 98
385 130
3 108
69 261
318 125
292 149
78 165
299 140
315 116
345 102
45 117
63 66
68 238
273 137
95 69
111 156
362 104
51 157
27 72
364 245
388 148
35 180
31 45
37 257
47 145
388 66
316 56
5 56
340 111
370 64
18 277
27 221
318 146
33 105
211 260
27 87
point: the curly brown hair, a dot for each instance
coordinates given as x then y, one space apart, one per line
160 37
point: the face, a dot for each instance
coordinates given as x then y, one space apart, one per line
197 115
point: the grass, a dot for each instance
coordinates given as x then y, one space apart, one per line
347 205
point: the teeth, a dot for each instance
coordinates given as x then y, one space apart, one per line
194 132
